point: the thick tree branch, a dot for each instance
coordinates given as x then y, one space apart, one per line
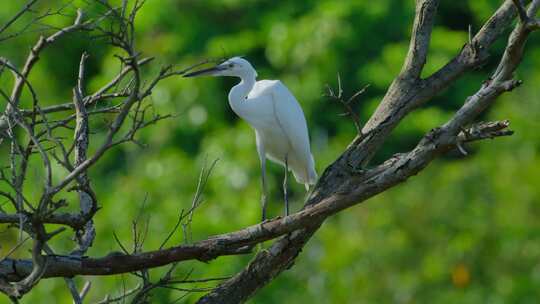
401 99
521 11
421 36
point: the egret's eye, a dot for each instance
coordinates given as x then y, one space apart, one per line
231 65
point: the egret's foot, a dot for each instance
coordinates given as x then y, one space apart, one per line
355 170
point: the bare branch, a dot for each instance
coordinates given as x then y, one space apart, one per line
73 290
347 104
421 37
521 11
87 200
34 57
122 297
25 9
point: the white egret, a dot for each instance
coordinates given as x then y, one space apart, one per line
280 126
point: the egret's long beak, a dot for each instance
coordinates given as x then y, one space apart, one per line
203 72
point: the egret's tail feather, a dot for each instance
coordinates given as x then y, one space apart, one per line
305 177
312 177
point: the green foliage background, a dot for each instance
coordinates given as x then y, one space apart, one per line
466 230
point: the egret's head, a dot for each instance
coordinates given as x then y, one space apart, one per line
236 66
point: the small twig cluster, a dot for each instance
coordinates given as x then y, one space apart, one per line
347 103
33 132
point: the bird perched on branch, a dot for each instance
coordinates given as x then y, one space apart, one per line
280 126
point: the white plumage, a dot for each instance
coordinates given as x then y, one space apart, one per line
280 127
275 115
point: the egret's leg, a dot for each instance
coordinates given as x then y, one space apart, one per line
285 193
262 158
264 196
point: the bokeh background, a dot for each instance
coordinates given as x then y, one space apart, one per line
465 230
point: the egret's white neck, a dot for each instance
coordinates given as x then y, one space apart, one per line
239 93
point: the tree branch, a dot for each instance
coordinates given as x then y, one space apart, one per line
426 11
25 9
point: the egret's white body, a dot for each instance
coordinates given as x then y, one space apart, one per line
275 115
279 123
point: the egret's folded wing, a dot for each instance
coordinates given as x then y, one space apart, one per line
291 119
